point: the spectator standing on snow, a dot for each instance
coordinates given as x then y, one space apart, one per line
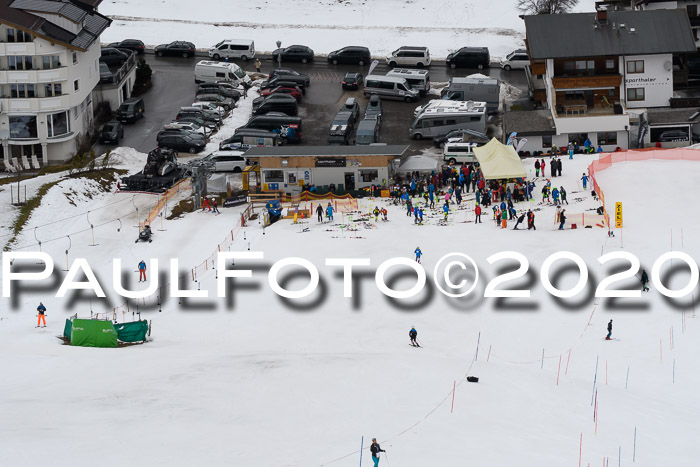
584 179
537 167
258 65
562 219
376 449
319 212
562 193
531 220
645 281
477 214
559 167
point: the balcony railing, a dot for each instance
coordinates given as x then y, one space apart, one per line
118 75
582 82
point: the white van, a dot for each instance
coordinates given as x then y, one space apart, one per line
458 152
409 56
437 122
226 161
233 48
390 87
418 79
207 71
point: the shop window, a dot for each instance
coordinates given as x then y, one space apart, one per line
272 176
608 137
368 176
546 141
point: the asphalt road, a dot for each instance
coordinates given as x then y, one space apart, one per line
174 87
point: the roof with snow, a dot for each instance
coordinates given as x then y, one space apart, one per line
646 32
330 151
27 15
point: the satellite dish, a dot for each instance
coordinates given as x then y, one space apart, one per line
667 66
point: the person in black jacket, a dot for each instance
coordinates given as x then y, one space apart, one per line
645 280
609 331
413 334
376 449
319 212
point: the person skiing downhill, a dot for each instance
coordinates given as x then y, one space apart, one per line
413 334
319 213
376 213
519 221
645 281
329 211
41 309
446 210
376 449
584 179
418 254
607 338
142 271
562 219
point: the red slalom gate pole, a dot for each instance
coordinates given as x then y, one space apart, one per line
558 370
453 397
567 363
580 449
489 354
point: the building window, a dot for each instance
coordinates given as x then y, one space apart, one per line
22 90
273 176
51 90
692 10
546 141
292 178
76 85
57 124
50 61
23 126
574 96
610 64
635 66
75 57
635 94
16 35
609 137
28 150
368 176
578 138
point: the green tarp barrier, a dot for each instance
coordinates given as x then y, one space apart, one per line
93 333
67 329
132 332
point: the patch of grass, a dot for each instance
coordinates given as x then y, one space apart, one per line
52 169
184 206
11 180
26 211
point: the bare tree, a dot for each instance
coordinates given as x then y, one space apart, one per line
545 7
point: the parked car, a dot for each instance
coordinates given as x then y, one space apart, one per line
131 110
294 53
210 107
282 81
192 142
244 138
670 136
225 161
374 108
113 57
409 56
225 103
105 73
111 133
283 103
353 107
469 57
342 127
458 135
353 80
131 44
354 55
367 131
216 88
185 117
516 60
177 48
192 127
292 91
290 75
198 112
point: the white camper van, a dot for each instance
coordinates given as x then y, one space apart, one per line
211 72
233 48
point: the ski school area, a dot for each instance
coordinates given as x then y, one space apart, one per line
517 371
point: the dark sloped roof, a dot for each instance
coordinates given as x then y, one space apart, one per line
17 13
529 122
645 32
66 9
665 116
327 151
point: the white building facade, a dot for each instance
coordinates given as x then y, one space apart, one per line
49 65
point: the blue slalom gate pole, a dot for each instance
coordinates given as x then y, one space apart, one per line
362 446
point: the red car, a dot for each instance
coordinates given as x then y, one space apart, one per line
295 92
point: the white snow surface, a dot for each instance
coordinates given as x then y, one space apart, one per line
325 25
262 383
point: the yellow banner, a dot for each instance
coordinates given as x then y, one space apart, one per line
618 215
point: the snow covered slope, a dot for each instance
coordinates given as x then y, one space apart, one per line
265 382
327 25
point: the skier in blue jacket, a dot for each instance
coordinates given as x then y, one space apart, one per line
418 254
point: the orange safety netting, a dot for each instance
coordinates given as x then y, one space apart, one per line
607 160
181 186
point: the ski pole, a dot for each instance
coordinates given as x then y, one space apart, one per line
389 465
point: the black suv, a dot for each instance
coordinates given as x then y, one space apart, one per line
469 57
275 103
353 55
294 53
290 75
131 44
177 48
131 110
111 132
353 81
342 127
192 142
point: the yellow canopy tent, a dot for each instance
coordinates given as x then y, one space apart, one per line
499 161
